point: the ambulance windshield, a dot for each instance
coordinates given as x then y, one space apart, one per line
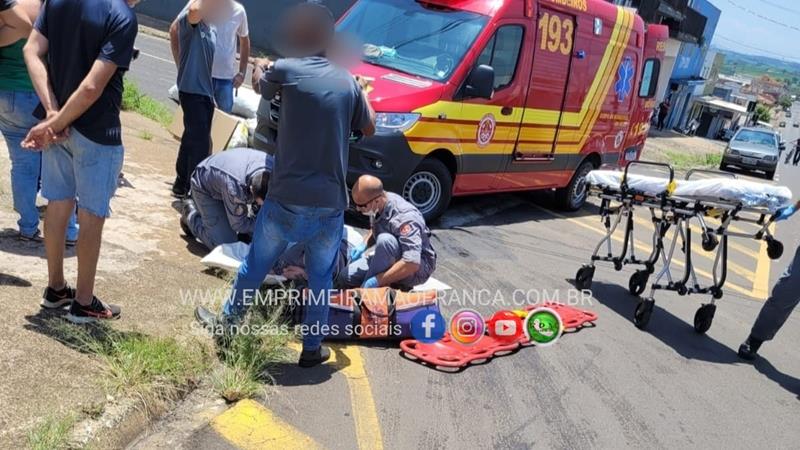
409 37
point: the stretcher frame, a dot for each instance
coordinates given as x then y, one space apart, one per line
677 214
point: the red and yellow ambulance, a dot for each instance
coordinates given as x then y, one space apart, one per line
480 96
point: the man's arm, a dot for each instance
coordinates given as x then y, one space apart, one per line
90 89
244 57
260 65
398 272
174 42
35 52
16 23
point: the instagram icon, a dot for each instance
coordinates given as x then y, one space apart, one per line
467 326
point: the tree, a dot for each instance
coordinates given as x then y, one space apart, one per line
785 102
762 114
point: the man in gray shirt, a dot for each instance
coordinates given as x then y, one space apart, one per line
192 39
224 188
320 105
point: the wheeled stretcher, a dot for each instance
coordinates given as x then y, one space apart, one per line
674 206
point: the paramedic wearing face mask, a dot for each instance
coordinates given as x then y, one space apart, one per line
403 254
785 297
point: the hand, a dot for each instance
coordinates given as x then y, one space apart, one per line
238 80
357 252
785 213
364 82
43 135
370 283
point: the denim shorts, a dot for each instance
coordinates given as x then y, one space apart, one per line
83 169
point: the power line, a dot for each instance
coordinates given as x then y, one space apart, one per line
751 47
763 17
779 6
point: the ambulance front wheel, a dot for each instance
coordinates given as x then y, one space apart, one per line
429 188
573 197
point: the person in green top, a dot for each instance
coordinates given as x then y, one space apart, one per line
18 101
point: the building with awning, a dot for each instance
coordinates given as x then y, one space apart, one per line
714 114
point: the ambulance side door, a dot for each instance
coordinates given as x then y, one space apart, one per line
544 117
492 126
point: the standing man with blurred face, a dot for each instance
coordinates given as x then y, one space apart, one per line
320 105
230 23
77 73
193 39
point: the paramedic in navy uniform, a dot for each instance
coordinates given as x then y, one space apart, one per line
403 254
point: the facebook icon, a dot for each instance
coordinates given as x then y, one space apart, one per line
428 326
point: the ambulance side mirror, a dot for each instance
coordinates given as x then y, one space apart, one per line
480 83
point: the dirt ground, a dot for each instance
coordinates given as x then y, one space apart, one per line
660 143
143 267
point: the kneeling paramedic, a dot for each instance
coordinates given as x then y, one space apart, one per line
224 187
403 255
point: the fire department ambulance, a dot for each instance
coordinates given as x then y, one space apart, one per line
480 96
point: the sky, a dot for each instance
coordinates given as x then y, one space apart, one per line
776 33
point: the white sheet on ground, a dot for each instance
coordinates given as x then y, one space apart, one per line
749 193
230 256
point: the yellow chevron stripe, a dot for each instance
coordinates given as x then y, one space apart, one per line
623 45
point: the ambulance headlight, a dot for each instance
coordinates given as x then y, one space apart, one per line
389 122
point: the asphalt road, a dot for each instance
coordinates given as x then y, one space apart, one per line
612 386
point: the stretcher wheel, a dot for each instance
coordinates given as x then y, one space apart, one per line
638 282
644 309
618 265
583 279
774 248
716 293
682 290
703 318
710 241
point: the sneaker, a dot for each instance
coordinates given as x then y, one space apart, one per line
749 349
35 237
53 299
314 357
97 310
179 193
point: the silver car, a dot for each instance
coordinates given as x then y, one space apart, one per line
753 149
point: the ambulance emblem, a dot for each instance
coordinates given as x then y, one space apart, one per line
624 84
486 129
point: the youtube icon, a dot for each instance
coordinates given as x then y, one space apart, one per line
505 326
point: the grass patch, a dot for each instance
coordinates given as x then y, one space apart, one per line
51 434
251 352
685 161
134 100
152 369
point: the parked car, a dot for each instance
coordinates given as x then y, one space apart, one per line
796 125
753 149
788 113
782 124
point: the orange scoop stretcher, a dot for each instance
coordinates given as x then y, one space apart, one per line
450 356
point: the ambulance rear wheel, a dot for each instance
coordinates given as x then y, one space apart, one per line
429 188
572 197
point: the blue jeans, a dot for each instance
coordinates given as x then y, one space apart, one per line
83 170
223 94
16 119
320 229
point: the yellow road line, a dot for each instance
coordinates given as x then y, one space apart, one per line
249 425
368 428
761 278
349 361
644 248
732 266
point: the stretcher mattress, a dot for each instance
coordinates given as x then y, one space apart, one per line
729 190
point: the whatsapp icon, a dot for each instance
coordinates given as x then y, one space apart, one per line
543 326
